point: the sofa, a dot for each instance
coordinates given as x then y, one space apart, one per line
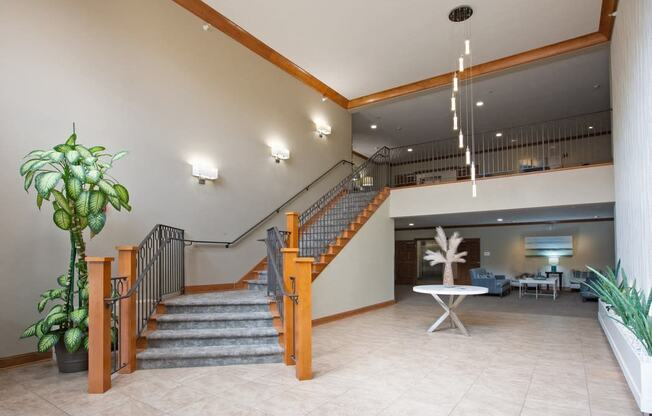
496 283
587 291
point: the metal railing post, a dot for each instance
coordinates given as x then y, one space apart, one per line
289 256
127 267
99 324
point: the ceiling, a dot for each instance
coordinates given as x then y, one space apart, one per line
365 46
557 87
514 216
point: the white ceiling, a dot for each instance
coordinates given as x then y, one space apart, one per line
359 47
515 216
545 90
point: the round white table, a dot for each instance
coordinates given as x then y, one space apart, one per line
456 296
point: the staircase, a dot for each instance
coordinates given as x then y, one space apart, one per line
234 327
243 326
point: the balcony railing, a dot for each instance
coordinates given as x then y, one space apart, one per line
574 141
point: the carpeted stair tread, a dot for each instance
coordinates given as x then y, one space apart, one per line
213 333
235 297
226 316
209 352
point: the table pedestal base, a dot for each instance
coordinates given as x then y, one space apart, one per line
449 311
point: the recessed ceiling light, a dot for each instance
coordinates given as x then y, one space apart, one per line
410 149
480 103
411 224
590 127
499 134
596 216
373 127
499 219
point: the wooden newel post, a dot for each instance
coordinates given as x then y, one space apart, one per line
127 266
292 222
99 324
289 256
303 275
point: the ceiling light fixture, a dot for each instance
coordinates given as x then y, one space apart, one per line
463 105
590 127
499 219
499 134
410 149
411 224
373 127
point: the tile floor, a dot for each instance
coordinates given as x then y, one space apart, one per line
528 361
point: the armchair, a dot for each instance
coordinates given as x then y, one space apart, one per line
497 284
587 291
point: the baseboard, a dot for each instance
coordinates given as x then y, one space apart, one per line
210 288
26 358
347 314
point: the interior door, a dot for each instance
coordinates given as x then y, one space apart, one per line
405 262
472 248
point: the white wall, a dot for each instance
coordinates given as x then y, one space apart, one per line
593 245
143 76
362 274
564 187
631 95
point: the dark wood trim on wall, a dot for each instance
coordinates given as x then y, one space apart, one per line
507 224
246 39
30 357
231 29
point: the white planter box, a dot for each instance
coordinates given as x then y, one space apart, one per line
632 357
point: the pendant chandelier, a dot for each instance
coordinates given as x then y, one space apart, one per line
462 91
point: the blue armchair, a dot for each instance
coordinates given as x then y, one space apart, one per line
587 291
497 284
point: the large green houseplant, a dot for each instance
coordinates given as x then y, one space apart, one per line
75 179
630 305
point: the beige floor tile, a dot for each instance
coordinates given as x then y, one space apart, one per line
534 407
215 406
28 405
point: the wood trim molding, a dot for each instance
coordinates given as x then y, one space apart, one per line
27 358
237 33
606 18
348 314
246 39
582 220
486 68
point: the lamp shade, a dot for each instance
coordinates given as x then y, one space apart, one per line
553 261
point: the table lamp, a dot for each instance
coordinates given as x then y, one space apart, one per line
553 262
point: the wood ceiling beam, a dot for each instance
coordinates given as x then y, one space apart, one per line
229 28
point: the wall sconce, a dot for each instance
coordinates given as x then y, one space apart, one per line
279 153
323 129
204 173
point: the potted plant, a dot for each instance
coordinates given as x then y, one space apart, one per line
75 179
624 314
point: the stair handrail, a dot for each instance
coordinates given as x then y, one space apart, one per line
228 244
380 156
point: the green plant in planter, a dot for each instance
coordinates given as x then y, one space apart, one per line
631 306
75 179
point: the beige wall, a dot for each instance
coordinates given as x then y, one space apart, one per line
572 186
593 245
362 274
631 96
143 76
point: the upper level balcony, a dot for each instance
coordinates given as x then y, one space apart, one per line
555 144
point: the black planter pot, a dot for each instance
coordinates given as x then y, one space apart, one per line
70 362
